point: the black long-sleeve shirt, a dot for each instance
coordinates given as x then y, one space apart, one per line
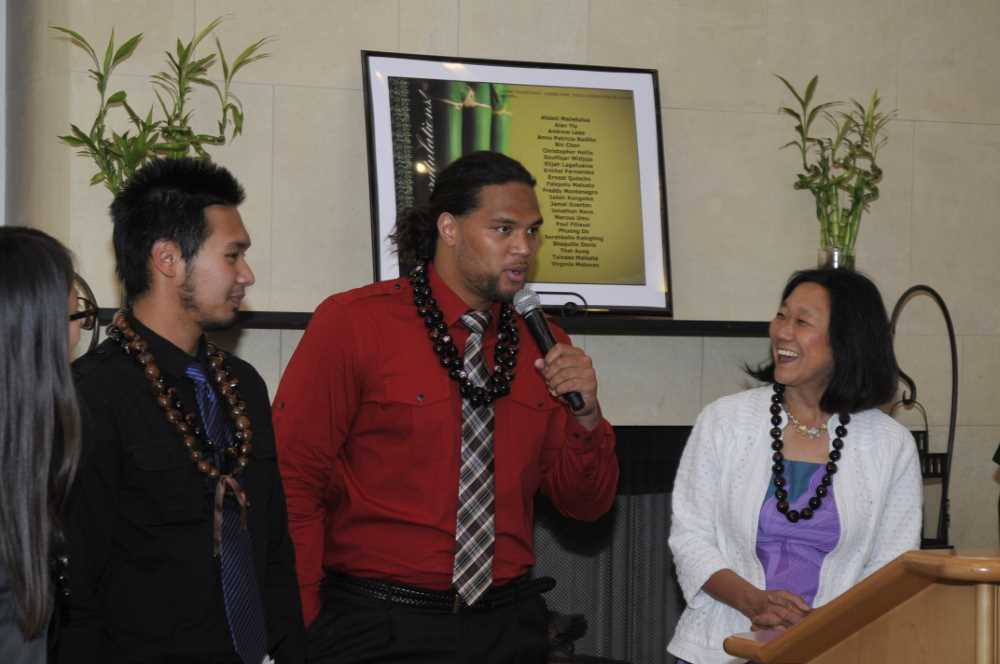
144 583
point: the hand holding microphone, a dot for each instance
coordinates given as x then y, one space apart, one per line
568 367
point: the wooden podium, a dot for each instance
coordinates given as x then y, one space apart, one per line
939 607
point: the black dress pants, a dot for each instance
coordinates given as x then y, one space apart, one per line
352 629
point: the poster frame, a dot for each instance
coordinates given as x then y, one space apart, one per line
654 297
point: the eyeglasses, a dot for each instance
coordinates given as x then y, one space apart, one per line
86 312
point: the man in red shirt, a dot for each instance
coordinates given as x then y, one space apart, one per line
409 467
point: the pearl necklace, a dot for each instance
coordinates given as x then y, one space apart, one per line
809 432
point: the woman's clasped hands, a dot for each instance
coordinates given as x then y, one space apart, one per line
775 609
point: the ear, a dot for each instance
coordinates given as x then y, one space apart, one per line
165 259
448 230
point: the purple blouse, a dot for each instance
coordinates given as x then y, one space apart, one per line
792 553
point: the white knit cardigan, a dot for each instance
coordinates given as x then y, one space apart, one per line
722 481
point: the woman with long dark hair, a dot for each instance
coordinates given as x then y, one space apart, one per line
39 430
789 494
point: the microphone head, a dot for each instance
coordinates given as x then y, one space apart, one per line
526 301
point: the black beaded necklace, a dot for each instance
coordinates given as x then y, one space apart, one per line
504 354
778 469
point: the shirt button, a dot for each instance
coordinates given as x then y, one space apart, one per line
420 397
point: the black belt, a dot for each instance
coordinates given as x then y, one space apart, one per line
438 601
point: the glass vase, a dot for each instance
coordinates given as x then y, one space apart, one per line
836 257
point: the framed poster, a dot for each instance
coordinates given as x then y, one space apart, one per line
590 136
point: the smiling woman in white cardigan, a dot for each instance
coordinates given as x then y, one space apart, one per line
789 494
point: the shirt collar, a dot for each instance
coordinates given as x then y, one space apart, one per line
169 357
451 305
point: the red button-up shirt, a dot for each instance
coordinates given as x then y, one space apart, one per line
368 427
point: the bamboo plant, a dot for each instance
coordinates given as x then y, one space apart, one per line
168 133
840 169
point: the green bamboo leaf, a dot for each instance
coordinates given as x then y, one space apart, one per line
250 54
842 131
116 98
78 40
208 83
205 31
821 108
199 67
109 54
72 140
811 88
247 61
166 84
237 122
791 89
790 144
132 115
873 104
163 106
174 63
222 59
97 177
125 51
79 133
791 112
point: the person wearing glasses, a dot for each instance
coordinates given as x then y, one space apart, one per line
39 431
85 311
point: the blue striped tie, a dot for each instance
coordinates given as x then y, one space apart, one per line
244 609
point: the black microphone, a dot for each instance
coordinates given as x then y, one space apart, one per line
528 304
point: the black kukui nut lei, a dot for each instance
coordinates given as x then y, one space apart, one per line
504 354
778 469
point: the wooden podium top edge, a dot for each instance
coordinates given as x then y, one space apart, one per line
977 566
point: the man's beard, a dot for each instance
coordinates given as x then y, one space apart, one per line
187 297
488 288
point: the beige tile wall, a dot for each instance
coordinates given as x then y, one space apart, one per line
736 226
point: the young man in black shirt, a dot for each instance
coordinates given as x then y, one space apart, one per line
178 539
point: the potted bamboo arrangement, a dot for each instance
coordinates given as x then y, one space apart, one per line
164 131
840 168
